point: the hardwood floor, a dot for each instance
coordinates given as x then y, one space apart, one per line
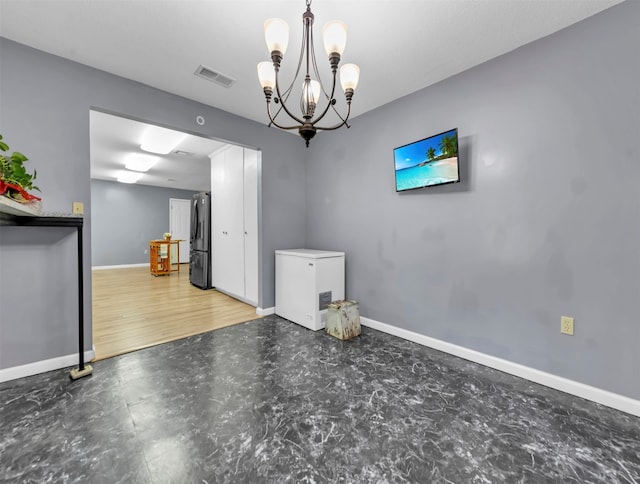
133 309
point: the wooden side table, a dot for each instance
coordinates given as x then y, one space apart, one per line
160 256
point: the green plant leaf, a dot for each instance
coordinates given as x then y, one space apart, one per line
17 156
19 170
3 146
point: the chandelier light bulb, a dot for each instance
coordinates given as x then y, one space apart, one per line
334 35
276 33
310 96
349 76
266 74
311 91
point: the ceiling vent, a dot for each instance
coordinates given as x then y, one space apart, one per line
214 76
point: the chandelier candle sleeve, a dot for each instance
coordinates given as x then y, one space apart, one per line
315 98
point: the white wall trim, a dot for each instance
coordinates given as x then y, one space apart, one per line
123 266
44 365
594 394
265 311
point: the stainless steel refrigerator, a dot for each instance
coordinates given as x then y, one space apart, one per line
200 237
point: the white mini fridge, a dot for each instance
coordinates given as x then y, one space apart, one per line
307 281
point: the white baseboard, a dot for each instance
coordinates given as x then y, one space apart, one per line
45 365
123 266
265 311
613 400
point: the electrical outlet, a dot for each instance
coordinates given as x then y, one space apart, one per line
566 325
78 208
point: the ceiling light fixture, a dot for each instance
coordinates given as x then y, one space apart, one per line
335 38
128 176
138 162
161 141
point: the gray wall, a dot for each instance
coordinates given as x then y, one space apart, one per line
546 221
124 217
44 112
38 294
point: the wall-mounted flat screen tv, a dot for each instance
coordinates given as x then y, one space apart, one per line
428 162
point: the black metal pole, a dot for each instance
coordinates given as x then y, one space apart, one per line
80 302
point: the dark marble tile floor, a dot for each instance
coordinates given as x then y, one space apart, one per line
270 401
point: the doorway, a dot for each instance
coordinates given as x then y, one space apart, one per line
175 177
179 220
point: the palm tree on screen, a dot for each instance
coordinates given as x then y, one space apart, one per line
449 145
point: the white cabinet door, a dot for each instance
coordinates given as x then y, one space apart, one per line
217 218
234 224
251 225
227 222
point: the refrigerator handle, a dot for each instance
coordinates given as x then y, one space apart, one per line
194 221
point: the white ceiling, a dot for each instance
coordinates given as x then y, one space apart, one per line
401 46
115 137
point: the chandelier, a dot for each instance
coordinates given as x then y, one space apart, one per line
335 38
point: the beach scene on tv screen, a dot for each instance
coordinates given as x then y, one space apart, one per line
432 161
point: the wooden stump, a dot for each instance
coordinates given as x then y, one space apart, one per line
343 319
